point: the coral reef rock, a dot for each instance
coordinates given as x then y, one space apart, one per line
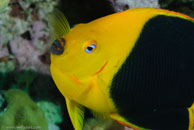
121 5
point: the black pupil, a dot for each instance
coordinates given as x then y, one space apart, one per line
89 48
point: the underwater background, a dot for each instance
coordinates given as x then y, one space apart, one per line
29 98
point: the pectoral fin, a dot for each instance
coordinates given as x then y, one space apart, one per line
191 117
76 113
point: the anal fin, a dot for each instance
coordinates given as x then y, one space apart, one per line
124 122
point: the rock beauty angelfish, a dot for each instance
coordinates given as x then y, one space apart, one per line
135 67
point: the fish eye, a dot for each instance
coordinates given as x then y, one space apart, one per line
90 48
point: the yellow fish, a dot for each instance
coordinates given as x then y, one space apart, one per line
135 67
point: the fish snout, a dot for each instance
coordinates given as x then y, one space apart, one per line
57 47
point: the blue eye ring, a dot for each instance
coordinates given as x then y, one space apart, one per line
90 48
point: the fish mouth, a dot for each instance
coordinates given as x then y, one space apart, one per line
75 80
101 69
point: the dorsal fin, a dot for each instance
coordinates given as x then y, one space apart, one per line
58 24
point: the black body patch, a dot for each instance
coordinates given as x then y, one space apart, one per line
155 85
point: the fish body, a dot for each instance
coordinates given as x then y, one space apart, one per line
135 67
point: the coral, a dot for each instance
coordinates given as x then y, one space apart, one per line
121 5
3 4
17 19
11 28
7 63
24 31
53 127
28 55
4 51
20 112
40 5
7 66
52 112
95 124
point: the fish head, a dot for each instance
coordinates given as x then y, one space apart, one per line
83 53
